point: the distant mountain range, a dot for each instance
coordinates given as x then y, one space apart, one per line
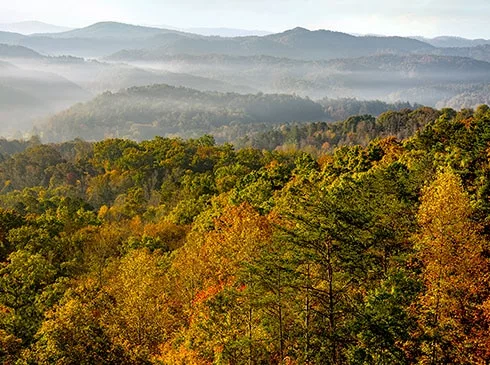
111 31
218 32
104 38
31 27
109 37
448 41
226 32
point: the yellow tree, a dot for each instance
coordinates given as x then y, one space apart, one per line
138 317
455 273
207 279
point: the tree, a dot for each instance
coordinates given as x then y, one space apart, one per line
73 332
137 317
456 275
27 288
210 279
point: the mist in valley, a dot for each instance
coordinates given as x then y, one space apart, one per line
44 76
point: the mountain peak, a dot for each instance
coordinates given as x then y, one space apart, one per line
112 30
298 30
111 24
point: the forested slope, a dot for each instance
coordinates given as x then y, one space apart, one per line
145 112
162 110
171 251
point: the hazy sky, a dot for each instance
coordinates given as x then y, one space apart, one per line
469 18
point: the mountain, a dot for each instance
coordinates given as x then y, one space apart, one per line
9 51
104 38
423 79
26 95
384 76
78 47
227 32
449 66
31 27
298 43
141 112
111 31
451 42
470 98
98 39
11 38
110 77
98 77
481 52
11 98
328 44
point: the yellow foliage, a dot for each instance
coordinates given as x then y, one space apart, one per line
171 234
455 272
138 316
182 355
212 259
103 211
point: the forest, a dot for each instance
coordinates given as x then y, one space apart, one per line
141 113
360 242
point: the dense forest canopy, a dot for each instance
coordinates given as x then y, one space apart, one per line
372 250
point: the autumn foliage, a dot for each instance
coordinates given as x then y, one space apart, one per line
187 252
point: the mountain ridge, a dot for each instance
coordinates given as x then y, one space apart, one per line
110 30
104 38
31 27
453 41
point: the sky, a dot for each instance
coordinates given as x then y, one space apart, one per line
469 18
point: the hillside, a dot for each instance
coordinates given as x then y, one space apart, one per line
97 77
227 32
145 112
325 44
116 77
11 38
385 76
50 88
418 64
481 52
470 97
452 42
112 31
372 120
27 95
9 51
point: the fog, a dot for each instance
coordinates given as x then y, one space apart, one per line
72 67
390 78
